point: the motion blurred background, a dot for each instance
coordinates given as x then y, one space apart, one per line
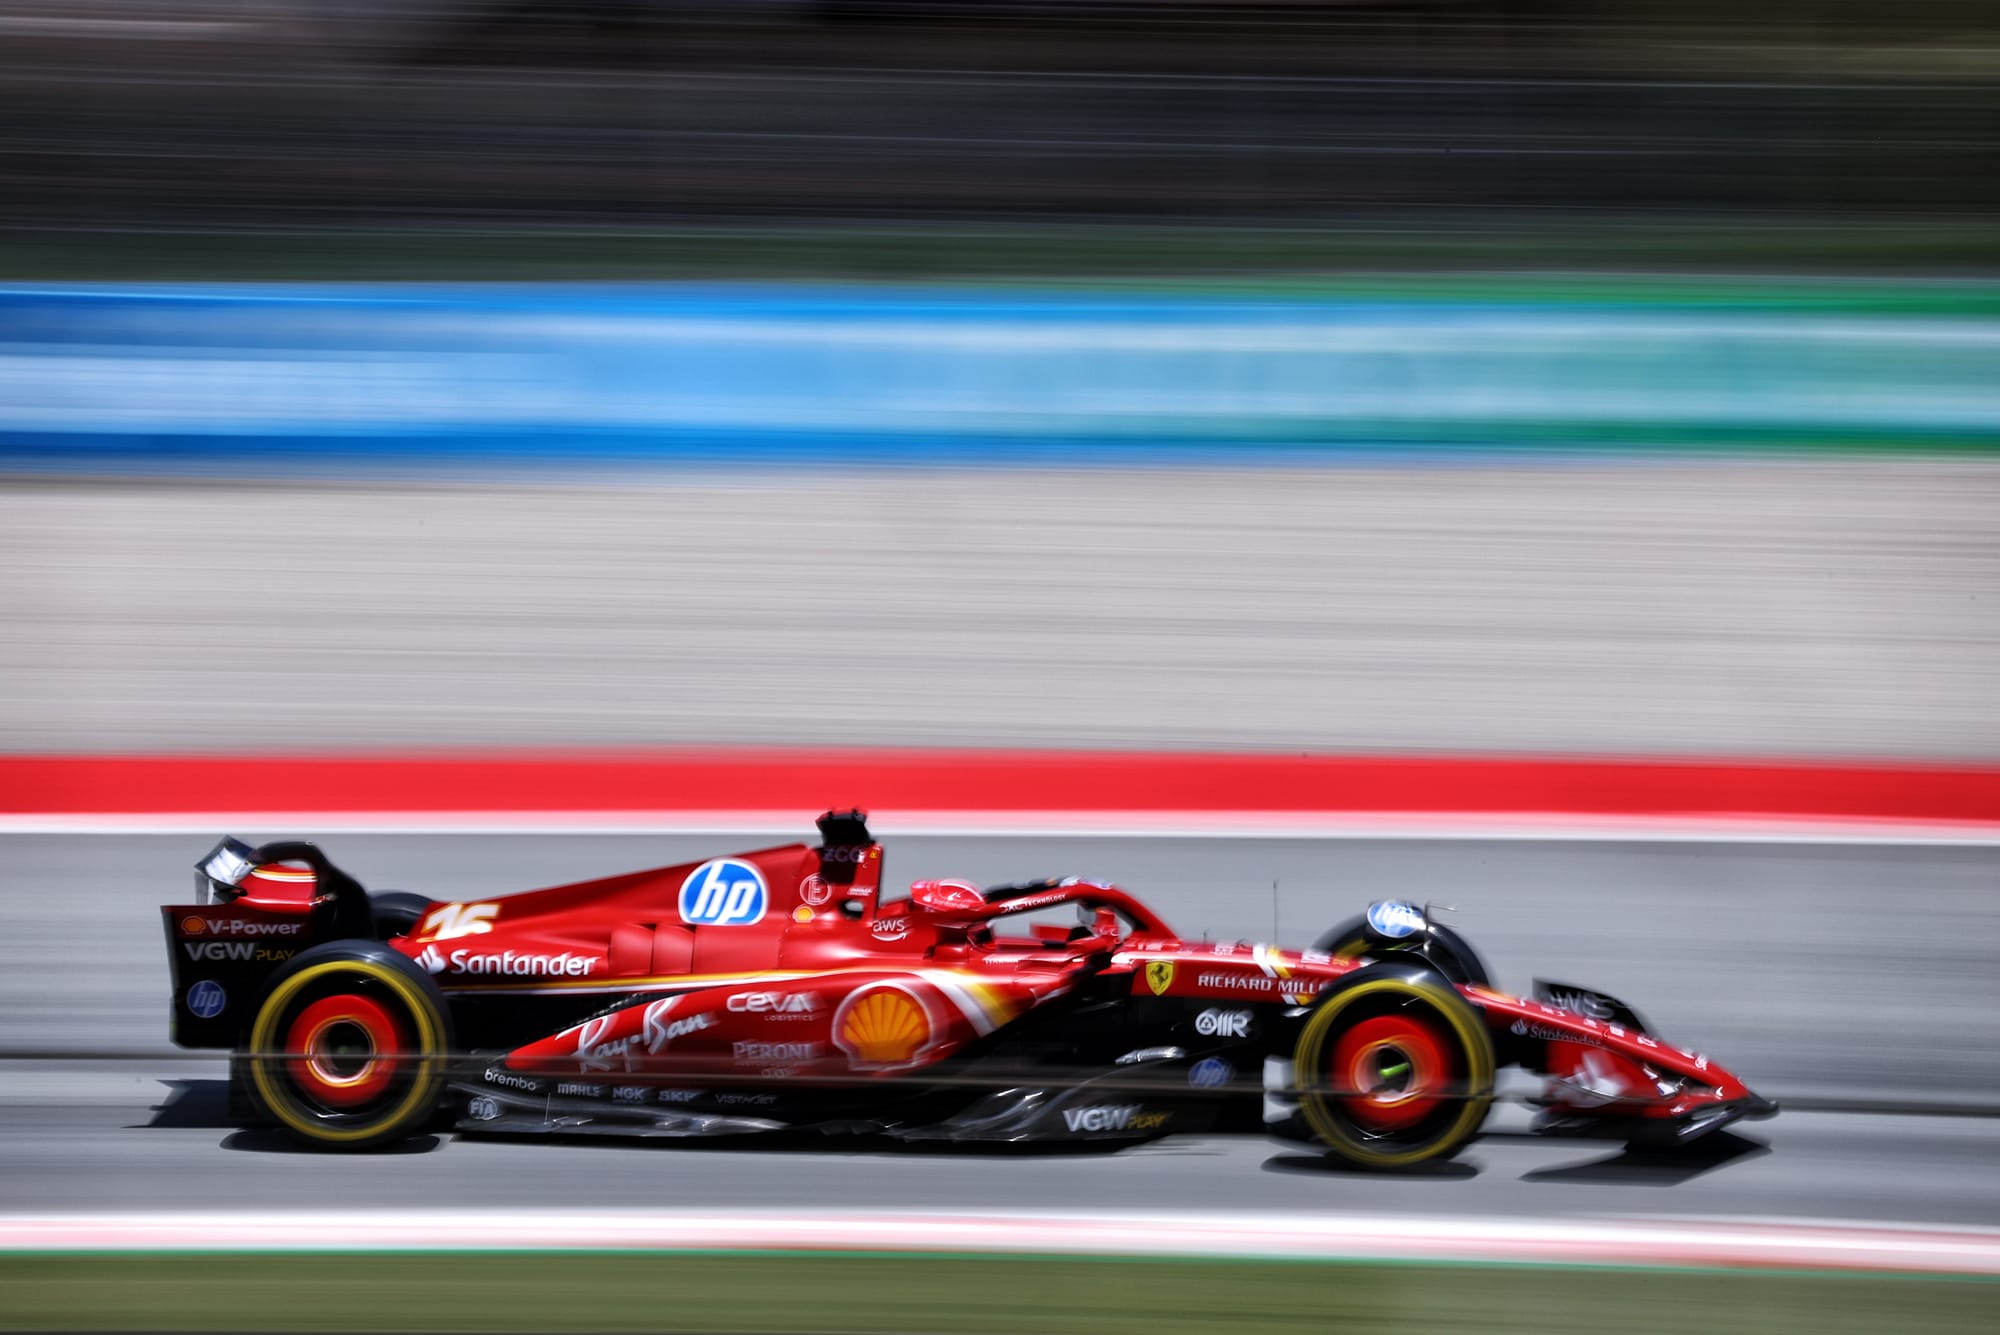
872 281
1551 377
443 137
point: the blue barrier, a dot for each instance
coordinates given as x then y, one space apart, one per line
219 375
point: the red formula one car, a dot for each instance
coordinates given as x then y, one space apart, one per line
783 990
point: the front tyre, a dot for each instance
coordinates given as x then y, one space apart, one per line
348 1048
1393 1067
1447 951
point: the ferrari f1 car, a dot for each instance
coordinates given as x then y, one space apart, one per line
785 990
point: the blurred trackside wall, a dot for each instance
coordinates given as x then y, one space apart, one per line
438 120
388 520
160 376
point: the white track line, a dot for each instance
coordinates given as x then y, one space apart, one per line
1549 826
1613 1242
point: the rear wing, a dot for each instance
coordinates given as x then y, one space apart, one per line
254 909
221 877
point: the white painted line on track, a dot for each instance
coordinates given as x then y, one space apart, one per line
1554 827
1350 1237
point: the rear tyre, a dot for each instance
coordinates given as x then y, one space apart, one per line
396 912
1393 1067
348 1048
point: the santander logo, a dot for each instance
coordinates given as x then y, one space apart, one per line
508 963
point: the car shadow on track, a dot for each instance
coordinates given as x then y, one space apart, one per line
1317 1165
193 1105
817 1144
270 1140
1638 1167
1626 1167
203 1105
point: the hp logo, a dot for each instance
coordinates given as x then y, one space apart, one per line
206 999
725 892
1210 1073
1394 919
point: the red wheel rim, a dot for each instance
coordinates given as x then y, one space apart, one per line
1396 1068
339 1042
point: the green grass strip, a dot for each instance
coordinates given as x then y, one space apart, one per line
1003 1295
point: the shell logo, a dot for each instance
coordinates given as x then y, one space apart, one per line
883 1028
193 926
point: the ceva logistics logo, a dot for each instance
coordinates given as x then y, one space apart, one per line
723 892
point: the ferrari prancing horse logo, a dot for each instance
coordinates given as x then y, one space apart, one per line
1159 975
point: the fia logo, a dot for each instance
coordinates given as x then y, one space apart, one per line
723 892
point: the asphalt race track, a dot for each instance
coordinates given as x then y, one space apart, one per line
1836 976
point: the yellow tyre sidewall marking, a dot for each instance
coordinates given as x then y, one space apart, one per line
1306 1076
430 1039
